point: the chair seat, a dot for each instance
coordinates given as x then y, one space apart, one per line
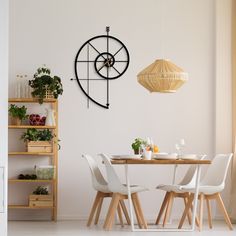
103 189
206 189
172 188
133 189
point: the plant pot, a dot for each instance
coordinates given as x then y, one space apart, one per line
136 151
39 146
15 121
48 94
40 200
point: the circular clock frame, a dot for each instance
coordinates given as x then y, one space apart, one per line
104 62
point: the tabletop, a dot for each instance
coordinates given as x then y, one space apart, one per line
159 161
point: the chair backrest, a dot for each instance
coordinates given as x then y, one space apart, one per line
217 170
99 183
114 183
191 174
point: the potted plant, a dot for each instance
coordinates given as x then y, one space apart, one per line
17 114
40 198
136 145
45 85
38 140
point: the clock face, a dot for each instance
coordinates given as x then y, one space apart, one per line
99 61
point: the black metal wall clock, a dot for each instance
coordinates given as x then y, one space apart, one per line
100 60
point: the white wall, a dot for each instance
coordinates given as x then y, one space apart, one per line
3 108
52 31
223 89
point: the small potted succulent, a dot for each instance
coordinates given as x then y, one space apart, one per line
41 198
137 144
38 140
45 85
17 114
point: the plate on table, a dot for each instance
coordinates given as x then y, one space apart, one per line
188 156
121 157
165 156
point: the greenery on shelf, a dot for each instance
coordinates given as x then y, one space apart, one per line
33 134
136 145
40 190
43 81
18 112
27 176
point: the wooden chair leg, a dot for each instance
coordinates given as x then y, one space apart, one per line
201 201
94 207
136 211
144 223
98 210
209 213
124 209
187 208
120 215
223 210
163 206
168 208
189 213
111 211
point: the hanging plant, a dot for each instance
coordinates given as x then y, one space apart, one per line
44 83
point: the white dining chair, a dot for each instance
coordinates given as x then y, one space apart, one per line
120 192
210 187
175 191
101 186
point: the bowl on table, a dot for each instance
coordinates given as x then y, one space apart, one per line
187 156
165 155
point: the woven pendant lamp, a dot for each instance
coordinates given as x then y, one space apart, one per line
162 76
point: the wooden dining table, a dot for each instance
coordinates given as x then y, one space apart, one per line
134 161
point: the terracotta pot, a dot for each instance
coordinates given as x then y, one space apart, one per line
15 121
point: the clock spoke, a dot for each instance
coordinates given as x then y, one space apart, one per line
116 70
118 51
96 50
102 66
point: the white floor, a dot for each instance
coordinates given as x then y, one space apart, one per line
78 228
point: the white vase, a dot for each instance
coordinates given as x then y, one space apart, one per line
50 119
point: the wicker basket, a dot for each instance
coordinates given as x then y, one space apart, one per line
48 94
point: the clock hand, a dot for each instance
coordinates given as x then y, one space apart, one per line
104 65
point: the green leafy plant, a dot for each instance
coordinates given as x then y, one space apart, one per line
18 112
43 82
33 134
27 176
136 145
40 190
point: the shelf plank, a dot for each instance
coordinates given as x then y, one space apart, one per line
31 180
28 207
31 100
30 126
30 154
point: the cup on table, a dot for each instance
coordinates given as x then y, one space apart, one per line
147 155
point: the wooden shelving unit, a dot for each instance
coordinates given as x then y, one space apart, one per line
53 156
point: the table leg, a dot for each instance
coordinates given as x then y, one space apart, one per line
129 197
195 201
175 169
